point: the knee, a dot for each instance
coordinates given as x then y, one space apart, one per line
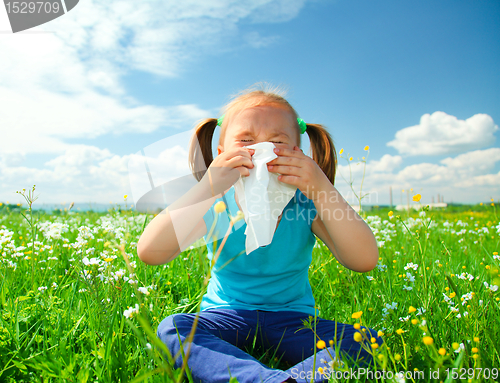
174 325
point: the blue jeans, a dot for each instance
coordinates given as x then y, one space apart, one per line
216 352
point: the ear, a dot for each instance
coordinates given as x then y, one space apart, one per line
220 149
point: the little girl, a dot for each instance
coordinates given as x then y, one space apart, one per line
264 295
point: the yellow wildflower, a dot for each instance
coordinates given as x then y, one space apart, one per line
428 340
380 333
412 309
455 345
358 337
390 214
220 207
475 349
321 344
367 147
357 315
374 345
397 357
350 158
414 321
125 196
341 151
416 197
476 339
399 331
357 326
442 351
320 370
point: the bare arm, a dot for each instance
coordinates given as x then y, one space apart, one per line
181 224
345 233
176 227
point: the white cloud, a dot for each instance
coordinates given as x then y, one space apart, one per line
475 161
82 174
440 133
386 164
68 84
463 178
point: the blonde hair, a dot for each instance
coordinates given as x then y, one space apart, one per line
200 149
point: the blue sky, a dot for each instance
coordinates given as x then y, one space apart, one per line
111 78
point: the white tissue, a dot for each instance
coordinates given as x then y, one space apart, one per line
262 197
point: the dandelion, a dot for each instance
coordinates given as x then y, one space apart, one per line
358 337
239 216
220 207
428 340
416 197
321 344
357 315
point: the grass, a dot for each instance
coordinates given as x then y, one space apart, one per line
67 279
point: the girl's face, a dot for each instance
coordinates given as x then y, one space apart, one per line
260 124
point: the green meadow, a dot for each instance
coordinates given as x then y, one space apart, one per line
77 305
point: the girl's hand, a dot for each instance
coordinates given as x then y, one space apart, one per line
299 170
227 167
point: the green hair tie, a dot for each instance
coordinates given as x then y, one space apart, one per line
302 125
300 121
220 119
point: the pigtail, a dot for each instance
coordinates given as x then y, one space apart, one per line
323 149
200 147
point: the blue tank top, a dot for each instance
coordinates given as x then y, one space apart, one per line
270 278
